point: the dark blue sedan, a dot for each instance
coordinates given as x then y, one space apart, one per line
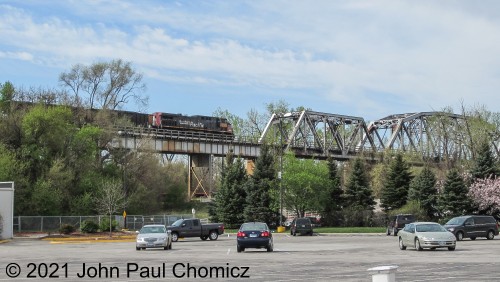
254 235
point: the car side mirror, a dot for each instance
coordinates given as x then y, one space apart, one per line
137 231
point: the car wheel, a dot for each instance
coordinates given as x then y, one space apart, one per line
417 245
433 248
460 236
165 248
311 233
473 238
204 238
490 235
395 231
451 248
401 244
270 247
213 235
175 237
137 248
239 249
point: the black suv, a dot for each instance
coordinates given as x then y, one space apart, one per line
473 226
398 222
302 226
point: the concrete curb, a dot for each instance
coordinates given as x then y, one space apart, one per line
127 238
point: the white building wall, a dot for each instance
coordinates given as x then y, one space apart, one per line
7 209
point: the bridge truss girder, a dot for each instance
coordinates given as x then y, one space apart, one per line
320 135
426 133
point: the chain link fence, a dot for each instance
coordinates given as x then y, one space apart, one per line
48 224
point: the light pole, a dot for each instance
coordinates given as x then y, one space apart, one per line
280 174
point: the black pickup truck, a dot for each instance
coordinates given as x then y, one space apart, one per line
192 227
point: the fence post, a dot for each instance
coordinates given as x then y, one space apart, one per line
19 222
60 222
41 223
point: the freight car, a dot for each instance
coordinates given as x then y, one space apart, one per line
197 123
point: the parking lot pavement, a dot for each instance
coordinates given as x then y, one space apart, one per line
301 258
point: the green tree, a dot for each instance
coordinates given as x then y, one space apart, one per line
7 92
303 181
453 200
332 200
46 199
358 193
231 196
485 163
395 191
8 164
423 190
47 132
258 189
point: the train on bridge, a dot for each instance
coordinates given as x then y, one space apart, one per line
208 124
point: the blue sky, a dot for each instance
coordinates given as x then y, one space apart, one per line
367 59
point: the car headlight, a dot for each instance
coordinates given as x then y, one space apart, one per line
451 229
162 238
140 239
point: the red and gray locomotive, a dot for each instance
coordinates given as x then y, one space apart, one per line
197 123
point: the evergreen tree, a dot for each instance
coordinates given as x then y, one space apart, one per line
485 163
358 193
333 200
231 196
423 189
258 189
395 192
453 200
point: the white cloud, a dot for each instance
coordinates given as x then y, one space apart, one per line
363 54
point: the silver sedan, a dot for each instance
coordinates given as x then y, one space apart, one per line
153 236
429 235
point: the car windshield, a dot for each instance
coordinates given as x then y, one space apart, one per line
456 221
152 229
253 226
430 228
178 222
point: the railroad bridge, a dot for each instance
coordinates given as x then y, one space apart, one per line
309 134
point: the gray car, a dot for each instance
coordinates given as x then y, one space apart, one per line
153 236
429 235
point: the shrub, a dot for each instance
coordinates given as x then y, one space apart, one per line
412 207
357 216
89 226
67 229
104 225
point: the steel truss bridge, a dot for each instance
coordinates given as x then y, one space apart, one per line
309 134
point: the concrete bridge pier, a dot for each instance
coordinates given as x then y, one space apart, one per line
200 178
